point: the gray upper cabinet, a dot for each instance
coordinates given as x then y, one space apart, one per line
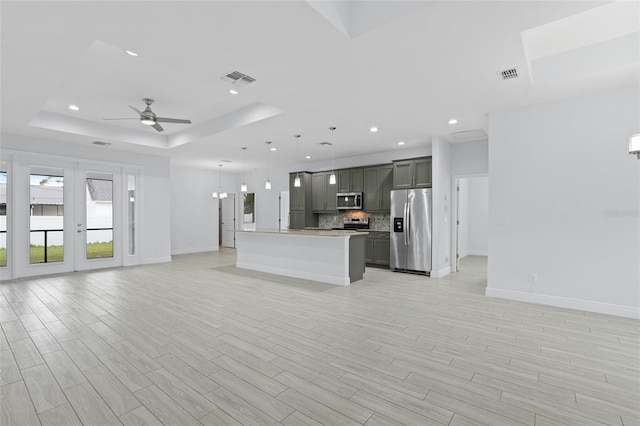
378 183
350 180
413 173
323 195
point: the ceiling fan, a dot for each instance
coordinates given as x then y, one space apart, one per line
149 118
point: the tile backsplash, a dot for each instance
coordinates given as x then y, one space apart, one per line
377 221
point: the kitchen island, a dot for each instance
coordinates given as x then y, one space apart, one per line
334 257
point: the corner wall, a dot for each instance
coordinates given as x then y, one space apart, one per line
564 202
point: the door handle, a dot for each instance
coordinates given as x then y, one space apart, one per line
406 228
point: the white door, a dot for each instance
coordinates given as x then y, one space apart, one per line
67 216
283 219
98 218
228 222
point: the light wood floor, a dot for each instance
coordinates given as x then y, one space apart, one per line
198 341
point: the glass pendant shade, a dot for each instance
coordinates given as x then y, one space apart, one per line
267 184
214 195
332 179
296 182
243 187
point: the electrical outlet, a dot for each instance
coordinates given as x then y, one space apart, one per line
533 278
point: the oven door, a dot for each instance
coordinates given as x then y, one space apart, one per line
349 200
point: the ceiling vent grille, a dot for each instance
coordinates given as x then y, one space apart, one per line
100 143
509 74
238 78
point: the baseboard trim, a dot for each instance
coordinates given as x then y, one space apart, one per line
441 273
151 260
327 279
194 250
565 302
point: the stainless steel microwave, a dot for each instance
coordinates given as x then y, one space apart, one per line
349 200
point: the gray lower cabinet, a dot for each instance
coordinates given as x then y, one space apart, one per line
378 183
413 173
377 249
323 194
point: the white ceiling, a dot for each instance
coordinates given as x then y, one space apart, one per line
405 66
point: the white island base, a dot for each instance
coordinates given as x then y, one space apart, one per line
334 257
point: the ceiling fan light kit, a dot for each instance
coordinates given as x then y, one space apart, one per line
149 118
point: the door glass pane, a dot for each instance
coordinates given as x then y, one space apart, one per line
99 218
46 222
131 217
3 216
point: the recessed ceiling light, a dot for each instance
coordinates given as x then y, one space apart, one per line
308 157
401 143
130 53
274 149
373 129
453 121
233 92
74 107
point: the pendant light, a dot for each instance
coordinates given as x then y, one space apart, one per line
267 184
219 194
296 181
332 177
243 187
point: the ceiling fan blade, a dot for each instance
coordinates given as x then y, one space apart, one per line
135 109
158 127
128 118
172 120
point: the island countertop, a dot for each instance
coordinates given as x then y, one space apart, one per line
313 232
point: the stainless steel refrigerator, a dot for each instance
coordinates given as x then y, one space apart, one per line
411 230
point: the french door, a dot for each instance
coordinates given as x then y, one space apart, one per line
69 216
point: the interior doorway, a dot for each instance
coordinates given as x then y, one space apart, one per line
283 211
471 222
227 215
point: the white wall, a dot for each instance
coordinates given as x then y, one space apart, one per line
470 158
463 218
194 212
478 241
564 203
154 240
441 214
473 231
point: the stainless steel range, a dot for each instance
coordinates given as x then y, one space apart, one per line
354 223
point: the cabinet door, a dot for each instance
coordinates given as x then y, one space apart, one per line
403 174
357 180
331 192
381 252
296 219
369 254
296 194
385 179
318 192
422 173
371 192
344 180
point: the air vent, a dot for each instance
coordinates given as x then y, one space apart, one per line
509 74
326 143
100 143
469 135
237 78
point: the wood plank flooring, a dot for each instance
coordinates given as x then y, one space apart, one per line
200 342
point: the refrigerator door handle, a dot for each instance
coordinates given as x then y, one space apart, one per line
405 218
409 223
